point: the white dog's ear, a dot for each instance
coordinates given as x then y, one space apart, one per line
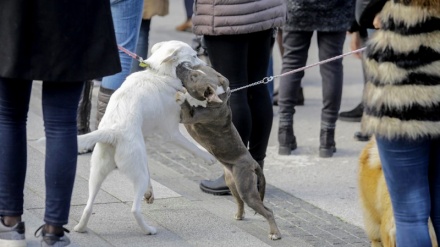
156 46
171 56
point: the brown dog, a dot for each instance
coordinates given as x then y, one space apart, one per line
375 199
212 127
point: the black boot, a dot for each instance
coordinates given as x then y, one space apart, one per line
216 187
327 143
359 136
104 95
286 138
354 115
84 108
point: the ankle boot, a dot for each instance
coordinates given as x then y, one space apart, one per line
327 143
104 95
216 187
286 138
84 108
354 115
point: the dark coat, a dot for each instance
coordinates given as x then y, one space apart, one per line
60 40
319 15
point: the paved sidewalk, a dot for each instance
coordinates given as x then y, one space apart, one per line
315 200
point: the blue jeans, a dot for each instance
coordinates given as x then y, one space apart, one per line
142 45
60 102
412 173
127 15
189 5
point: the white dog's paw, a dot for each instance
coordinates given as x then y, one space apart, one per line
149 197
80 228
149 230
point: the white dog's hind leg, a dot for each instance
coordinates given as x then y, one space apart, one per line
149 195
140 189
178 139
131 157
102 164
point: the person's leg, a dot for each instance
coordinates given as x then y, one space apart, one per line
270 85
434 184
14 106
296 46
60 101
330 44
142 44
228 56
405 164
189 4
187 25
259 100
84 109
127 15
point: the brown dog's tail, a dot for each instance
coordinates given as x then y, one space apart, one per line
261 182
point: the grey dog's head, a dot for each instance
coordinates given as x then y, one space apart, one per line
202 82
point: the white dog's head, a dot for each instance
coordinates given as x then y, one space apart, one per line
165 56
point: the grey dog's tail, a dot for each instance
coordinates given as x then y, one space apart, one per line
261 182
87 141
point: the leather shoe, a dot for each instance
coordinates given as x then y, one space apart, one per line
216 187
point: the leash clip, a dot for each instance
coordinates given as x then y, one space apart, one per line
267 79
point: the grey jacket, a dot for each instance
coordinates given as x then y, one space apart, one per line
319 15
228 17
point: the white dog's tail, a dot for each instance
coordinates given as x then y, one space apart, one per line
87 141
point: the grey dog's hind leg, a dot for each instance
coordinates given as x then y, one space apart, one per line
247 188
232 187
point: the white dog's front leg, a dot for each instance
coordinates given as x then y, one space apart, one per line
178 139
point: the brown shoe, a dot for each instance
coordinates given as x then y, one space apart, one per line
185 27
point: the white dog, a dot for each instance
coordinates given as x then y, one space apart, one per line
143 107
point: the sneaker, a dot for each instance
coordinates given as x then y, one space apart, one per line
12 236
52 240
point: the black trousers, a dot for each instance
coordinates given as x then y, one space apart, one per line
244 59
296 47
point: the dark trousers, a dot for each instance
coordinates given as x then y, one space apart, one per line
60 102
244 59
296 47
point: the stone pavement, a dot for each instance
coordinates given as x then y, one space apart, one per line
315 200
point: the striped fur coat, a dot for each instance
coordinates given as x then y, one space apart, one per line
402 95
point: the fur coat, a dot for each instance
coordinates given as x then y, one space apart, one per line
402 94
319 15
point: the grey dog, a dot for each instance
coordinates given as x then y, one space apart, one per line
211 126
